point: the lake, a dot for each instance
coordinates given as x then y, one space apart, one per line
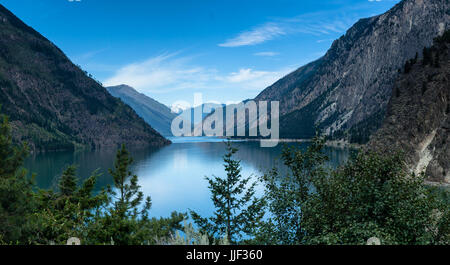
174 175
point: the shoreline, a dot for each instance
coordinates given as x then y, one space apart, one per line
330 143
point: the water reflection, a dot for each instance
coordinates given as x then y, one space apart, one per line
174 175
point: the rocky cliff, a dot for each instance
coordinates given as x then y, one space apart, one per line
418 114
345 93
53 104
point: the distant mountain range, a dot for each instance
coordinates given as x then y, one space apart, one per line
53 104
158 115
345 93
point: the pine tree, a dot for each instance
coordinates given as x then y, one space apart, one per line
11 157
238 211
69 212
125 221
128 193
16 194
68 181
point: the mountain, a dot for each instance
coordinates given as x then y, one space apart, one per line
154 113
53 104
345 93
418 114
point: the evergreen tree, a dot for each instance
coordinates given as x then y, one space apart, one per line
68 181
123 222
128 195
69 212
16 194
287 193
238 211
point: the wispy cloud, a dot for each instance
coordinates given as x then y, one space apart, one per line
88 55
268 54
160 74
325 23
254 79
167 73
255 36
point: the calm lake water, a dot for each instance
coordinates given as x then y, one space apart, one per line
173 175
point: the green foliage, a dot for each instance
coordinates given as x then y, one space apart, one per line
68 182
69 212
51 217
121 221
287 194
126 183
158 229
16 204
238 211
373 195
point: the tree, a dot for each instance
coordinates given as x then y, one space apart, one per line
128 195
121 221
238 211
16 194
287 193
374 195
68 182
69 212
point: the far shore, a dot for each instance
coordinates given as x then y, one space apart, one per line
330 143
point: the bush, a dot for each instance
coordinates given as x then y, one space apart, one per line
372 195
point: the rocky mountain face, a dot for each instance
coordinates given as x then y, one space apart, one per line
54 105
345 93
158 115
418 114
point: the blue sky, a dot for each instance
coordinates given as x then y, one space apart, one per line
228 50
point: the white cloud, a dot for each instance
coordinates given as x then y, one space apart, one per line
256 80
168 73
160 74
255 36
268 54
316 24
